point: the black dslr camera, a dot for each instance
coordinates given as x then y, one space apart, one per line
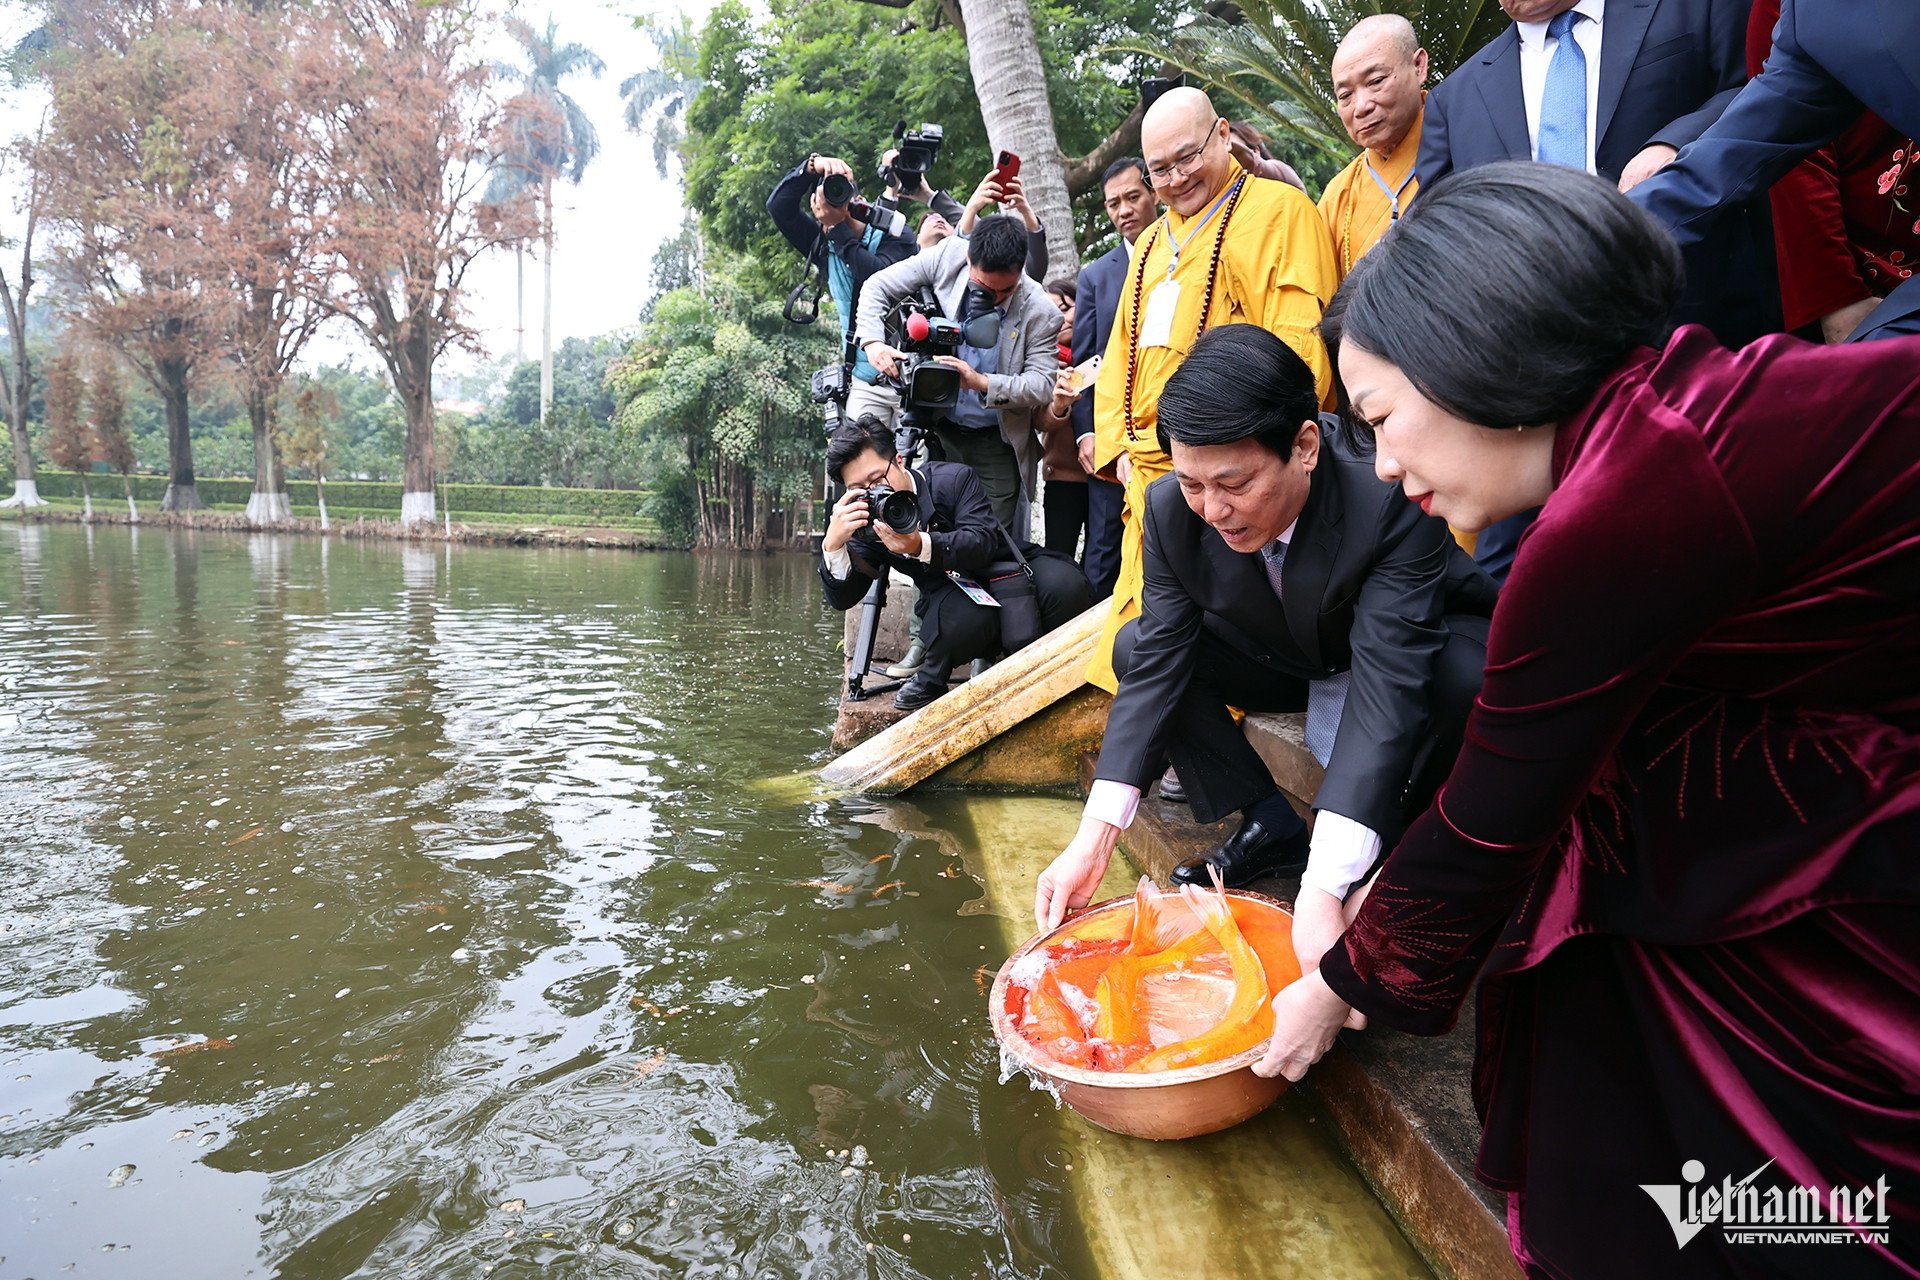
897 509
917 151
925 334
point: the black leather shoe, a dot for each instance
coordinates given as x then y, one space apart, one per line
1171 789
1247 855
919 691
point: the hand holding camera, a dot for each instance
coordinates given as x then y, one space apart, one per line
850 516
886 359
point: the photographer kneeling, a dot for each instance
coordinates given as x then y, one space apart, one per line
951 546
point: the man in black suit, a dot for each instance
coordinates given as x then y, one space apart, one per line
1131 205
955 542
1637 80
1281 573
1829 63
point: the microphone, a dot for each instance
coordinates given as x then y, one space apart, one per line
918 328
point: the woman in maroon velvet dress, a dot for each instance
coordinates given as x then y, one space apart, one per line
1680 849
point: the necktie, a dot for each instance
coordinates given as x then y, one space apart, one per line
1563 103
1326 699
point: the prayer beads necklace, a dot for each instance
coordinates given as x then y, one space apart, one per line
1206 299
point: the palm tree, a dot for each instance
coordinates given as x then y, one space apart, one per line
657 99
1272 57
552 138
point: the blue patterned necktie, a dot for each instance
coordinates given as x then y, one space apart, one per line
1326 699
1563 103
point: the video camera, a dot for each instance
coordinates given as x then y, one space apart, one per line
924 333
917 150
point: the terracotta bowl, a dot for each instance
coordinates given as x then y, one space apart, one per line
1184 1103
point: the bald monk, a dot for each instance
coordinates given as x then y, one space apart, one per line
1379 86
1231 248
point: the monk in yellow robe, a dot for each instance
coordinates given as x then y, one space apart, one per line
1231 249
1379 85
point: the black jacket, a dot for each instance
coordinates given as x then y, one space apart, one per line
1096 302
954 513
1367 585
787 206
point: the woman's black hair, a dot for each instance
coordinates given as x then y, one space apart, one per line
1065 287
851 439
1510 291
1238 383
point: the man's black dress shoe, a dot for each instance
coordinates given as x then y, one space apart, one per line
1246 856
922 689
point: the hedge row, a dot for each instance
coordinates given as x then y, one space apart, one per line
380 495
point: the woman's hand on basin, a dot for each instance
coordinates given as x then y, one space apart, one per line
1307 1015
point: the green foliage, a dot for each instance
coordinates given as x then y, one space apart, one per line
713 397
833 76
1271 61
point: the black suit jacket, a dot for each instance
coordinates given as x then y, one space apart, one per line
954 514
1096 301
1668 68
1367 584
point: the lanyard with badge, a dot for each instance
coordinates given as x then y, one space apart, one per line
1154 326
1156 322
1392 194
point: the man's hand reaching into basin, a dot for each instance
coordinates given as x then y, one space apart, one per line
1070 880
1307 1015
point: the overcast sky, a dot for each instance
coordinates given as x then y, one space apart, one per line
608 226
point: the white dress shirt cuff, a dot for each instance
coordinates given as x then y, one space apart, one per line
925 554
839 563
1341 852
1112 802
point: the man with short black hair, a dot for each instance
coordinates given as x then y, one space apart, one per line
991 427
1128 198
1281 574
951 551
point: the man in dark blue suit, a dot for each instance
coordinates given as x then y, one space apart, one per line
1615 87
1130 203
1831 60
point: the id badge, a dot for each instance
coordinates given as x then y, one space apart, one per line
975 592
1156 323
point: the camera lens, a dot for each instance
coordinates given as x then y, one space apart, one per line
836 190
900 511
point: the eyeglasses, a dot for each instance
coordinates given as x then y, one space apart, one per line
1184 163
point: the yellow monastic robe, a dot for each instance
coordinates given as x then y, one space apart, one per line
1356 209
1275 270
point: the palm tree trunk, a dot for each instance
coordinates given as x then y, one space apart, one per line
1011 84
546 321
519 305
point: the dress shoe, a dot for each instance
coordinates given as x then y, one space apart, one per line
916 654
1171 789
927 684
1248 854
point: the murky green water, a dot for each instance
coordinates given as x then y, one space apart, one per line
388 911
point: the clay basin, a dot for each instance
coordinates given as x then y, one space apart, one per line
1182 1103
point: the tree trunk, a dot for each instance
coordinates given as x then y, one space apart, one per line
1011 84
133 509
183 493
519 306
268 503
86 498
26 490
414 381
546 314
320 492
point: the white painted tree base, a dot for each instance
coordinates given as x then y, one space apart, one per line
416 508
268 508
26 493
86 507
325 524
182 497
133 511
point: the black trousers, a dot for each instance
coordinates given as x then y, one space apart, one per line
1224 774
1066 509
1106 501
957 630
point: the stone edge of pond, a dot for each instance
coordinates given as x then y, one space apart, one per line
388 530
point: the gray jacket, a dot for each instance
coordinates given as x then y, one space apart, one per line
1029 338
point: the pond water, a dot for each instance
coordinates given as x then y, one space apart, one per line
382 910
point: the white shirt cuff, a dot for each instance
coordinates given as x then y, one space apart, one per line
1112 802
839 563
925 555
1341 852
